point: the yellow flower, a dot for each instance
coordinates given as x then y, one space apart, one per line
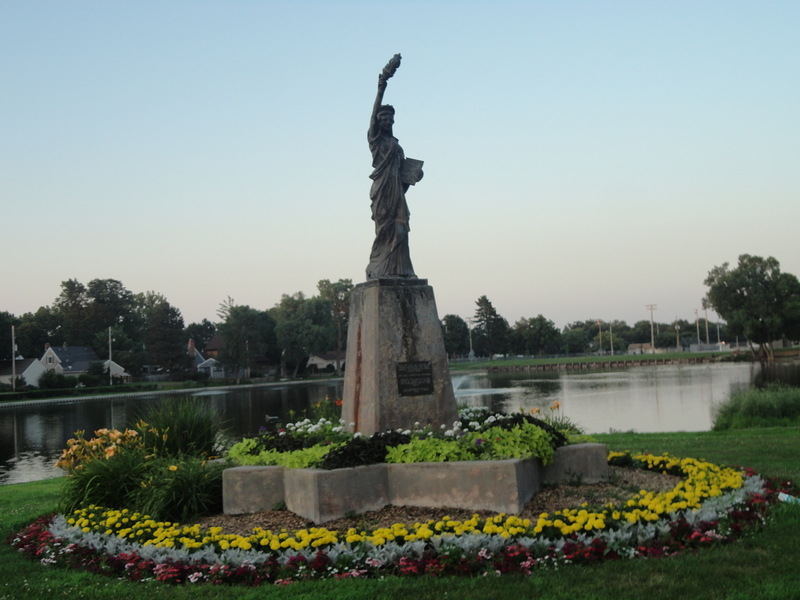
173 468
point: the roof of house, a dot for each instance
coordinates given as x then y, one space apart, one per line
216 343
331 355
75 359
198 358
7 369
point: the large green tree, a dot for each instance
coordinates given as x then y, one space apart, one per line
575 338
249 336
201 333
303 326
110 303
37 329
164 337
456 336
757 300
7 321
535 336
85 313
71 308
491 332
337 295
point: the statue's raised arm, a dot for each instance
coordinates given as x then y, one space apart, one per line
383 78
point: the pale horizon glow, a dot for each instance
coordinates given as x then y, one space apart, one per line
582 159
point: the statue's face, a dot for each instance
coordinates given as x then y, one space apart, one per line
385 120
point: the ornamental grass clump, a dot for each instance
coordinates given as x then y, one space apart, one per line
178 426
774 406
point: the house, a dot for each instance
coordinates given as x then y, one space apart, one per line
66 360
325 361
215 346
640 349
75 360
117 371
195 355
30 369
213 368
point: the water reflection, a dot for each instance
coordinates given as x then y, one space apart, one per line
645 399
33 434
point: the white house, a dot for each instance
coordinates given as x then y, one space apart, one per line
30 369
75 360
325 361
212 366
117 371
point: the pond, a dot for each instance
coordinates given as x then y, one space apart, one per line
644 399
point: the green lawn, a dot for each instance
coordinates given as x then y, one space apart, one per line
764 565
511 362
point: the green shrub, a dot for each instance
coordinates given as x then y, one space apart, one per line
105 481
430 450
304 458
164 488
181 426
775 406
522 441
525 440
179 490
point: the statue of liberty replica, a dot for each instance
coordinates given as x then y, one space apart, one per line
396 372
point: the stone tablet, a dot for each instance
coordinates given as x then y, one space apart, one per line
415 378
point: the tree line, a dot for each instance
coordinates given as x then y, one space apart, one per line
144 332
758 303
489 334
755 299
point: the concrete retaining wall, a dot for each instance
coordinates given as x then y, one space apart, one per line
322 495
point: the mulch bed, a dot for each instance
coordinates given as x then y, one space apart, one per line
623 483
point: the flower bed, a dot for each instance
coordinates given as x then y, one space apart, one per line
710 505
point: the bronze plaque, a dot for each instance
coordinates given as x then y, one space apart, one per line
415 378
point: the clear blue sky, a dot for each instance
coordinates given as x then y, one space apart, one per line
582 159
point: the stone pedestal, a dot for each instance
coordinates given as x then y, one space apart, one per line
396 373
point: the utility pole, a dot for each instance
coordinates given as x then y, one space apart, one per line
110 378
651 308
697 325
707 342
13 361
611 335
677 335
